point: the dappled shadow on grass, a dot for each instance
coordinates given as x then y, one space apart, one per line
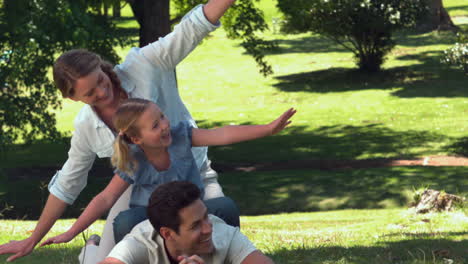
428 78
459 147
309 44
404 251
258 193
371 139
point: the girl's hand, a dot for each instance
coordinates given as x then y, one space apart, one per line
194 259
19 248
62 238
281 122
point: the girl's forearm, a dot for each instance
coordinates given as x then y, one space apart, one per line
229 135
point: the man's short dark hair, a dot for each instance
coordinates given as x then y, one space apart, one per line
167 200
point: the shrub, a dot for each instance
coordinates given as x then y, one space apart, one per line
458 54
364 27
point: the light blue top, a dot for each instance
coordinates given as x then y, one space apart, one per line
183 167
148 73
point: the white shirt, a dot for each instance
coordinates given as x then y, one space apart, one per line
139 247
148 73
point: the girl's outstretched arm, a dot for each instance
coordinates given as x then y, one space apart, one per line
96 208
233 134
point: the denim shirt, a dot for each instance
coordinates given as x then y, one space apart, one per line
146 177
148 73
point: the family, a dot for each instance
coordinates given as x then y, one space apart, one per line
166 205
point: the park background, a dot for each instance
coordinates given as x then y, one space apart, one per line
415 107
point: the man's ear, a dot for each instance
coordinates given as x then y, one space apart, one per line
166 233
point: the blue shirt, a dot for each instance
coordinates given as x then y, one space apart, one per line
183 167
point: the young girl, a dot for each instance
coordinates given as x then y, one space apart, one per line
149 152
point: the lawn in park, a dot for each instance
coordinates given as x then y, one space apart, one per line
415 107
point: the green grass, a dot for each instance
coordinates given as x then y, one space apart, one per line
345 236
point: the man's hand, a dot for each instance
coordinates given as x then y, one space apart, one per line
194 259
19 248
62 238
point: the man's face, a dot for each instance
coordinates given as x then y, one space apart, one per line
94 89
195 231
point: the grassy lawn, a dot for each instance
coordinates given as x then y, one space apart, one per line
345 236
415 107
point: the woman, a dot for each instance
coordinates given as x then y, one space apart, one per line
146 73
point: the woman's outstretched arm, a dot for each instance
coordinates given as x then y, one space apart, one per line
95 209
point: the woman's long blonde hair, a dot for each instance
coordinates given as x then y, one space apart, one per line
125 120
78 63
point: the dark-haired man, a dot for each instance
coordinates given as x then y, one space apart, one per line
179 230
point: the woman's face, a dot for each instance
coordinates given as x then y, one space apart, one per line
94 89
154 129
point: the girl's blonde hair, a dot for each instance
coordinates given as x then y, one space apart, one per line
125 120
78 63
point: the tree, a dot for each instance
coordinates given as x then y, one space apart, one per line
32 33
437 18
242 21
364 27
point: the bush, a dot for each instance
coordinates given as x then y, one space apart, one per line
32 34
458 54
364 27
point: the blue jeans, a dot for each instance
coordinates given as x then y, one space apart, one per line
222 207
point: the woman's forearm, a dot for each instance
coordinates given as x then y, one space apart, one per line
53 209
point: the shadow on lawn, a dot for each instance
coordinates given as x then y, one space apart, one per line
338 142
406 251
258 193
315 43
428 78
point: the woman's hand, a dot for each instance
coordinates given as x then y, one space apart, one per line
281 122
19 248
62 238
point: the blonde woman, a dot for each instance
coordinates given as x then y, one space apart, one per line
147 72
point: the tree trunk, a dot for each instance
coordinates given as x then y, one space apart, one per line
105 6
437 18
153 17
116 10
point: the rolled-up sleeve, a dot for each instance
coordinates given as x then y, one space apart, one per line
67 183
168 51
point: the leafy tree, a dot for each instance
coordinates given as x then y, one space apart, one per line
364 27
242 21
32 33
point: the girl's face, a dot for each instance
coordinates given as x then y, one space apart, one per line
94 89
154 129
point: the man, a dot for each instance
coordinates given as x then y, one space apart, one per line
179 230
